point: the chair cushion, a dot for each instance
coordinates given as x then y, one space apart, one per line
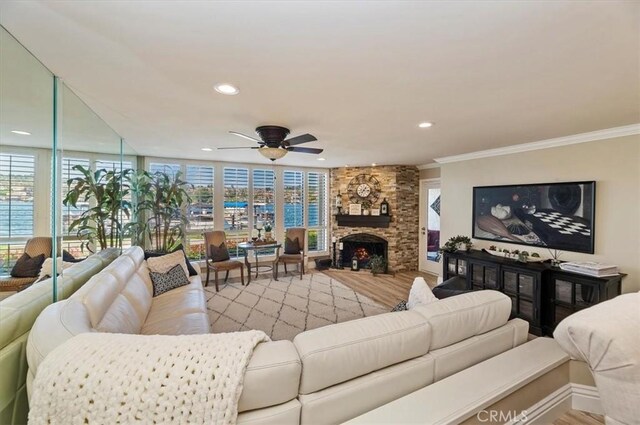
27 266
292 246
163 282
219 253
187 324
190 270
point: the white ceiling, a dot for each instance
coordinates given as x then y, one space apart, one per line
359 76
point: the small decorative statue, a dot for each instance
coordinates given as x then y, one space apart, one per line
339 203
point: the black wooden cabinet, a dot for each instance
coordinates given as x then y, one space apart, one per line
540 294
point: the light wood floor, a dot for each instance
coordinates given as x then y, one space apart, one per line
386 289
577 417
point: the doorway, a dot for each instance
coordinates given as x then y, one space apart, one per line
430 226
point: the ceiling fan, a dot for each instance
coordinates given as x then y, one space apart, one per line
272 143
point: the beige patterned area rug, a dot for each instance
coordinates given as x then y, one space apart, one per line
286 307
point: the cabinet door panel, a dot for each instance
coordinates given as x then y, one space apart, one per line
563 291
477 274
510 282
491 277
526 309
586 295
526 284
462 267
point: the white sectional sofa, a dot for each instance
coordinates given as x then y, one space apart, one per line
326 375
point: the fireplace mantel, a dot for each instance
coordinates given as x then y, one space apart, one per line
375 221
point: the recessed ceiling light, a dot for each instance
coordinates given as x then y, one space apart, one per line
425 124
321 159
23 133
206 149
226 88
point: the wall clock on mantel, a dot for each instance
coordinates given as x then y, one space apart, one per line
364 187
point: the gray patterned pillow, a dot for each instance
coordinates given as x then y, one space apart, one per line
163 282
402 306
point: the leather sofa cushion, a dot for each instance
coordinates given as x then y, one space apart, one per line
272 376
345 401
188 324
457 318
287 413
336 353
471 351
178 302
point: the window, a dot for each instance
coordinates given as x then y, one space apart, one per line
169 169
293 198
200 211
236 207
317 207
264 191
17 177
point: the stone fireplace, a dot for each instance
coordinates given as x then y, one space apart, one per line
362 246
400 185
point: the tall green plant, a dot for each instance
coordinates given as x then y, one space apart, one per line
100 225
159 209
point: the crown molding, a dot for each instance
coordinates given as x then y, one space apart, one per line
609 133
428 166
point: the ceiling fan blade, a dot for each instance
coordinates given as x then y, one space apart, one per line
242 147
305 150
246 137
298 140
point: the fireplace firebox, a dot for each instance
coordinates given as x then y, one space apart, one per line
363 246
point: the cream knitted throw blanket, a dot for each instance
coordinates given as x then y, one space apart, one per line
100 378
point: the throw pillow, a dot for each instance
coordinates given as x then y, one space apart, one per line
402 306
292 246
420 293
46 271
67 257
172 279
219 253
151 254
27 266
166 262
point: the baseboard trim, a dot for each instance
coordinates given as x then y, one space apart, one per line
586 398
567 397
547 409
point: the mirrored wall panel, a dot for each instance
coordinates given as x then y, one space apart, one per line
26 138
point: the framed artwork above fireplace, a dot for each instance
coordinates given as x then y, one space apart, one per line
550 215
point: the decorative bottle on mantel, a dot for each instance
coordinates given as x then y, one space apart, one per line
339 203
384 207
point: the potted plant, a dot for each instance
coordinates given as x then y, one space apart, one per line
100 226
267 232
377 264
159 211
457 243
366 207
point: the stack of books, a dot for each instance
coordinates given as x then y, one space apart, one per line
590 268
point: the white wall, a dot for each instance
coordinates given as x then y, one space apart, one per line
615 166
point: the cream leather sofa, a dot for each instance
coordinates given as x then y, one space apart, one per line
326 375
18 314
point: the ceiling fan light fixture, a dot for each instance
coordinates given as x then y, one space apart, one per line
226 88
272 153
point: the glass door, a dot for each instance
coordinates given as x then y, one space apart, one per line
430 226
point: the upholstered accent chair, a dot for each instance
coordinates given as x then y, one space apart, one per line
298 258
33 247
216 238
